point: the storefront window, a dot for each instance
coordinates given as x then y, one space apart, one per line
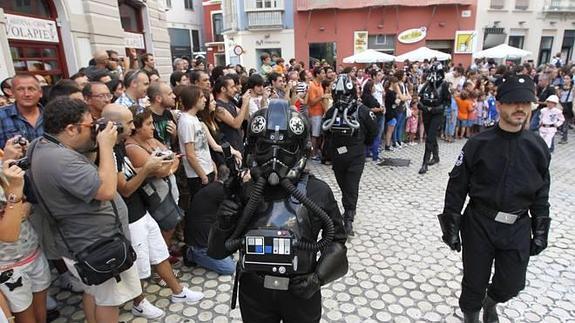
545 49
516 41
383 43
36 59
35 8
322 51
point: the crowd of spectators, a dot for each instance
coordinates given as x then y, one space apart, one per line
119 149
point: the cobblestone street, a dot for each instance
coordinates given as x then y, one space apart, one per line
400 271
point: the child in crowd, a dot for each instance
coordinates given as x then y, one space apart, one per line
464 106
412 123
490 112
551 119
479 107
450 120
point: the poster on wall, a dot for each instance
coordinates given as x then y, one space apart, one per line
465 42
359 41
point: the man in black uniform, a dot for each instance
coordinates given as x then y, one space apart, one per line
505 171
434 96
282 209
351 126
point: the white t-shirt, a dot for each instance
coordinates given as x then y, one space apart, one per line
190 129
255 104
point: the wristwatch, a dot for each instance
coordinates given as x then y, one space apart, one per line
12 198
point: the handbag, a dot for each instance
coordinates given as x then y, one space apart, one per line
159 205
102 260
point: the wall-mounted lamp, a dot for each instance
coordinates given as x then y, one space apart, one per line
521 23
442 24
552 23
380 26
496 23
321 28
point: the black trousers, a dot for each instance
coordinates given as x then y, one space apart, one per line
431 123
485 241
348 174
262 305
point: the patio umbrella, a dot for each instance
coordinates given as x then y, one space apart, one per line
423 53
502 51
369 56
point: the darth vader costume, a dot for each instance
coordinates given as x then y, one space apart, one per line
433 97
275 220
351 126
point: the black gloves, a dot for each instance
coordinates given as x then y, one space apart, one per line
304 286
540 226
450 224
228 213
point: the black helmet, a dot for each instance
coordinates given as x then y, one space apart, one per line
436 74
343 91
278 140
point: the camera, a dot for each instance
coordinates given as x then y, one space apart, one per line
20 140
101 124
164 154
23 163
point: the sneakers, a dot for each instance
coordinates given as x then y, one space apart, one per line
187 296
71 283
147 310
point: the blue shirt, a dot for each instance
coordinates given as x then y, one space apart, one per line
12 123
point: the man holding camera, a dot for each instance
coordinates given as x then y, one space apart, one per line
81 198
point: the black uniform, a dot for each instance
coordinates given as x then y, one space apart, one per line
434 96
348 141
277 222
506 175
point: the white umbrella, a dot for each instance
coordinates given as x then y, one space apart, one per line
369 56
502 51
423 53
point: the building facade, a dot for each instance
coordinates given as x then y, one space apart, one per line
335 29
213 32
55 38
543 27
255 27
185 22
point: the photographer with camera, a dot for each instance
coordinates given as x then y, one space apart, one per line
89 219
24 270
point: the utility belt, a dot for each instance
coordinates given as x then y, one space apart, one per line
499 216
269 251
548 126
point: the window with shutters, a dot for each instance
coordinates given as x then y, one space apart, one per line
521 4
189 4
497 4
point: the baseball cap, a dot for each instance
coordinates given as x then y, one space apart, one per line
516 88
552 98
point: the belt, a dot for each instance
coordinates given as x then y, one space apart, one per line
26 260
499 216
548 125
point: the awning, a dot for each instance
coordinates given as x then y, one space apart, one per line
305 5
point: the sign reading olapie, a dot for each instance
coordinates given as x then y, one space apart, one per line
34 29
413 35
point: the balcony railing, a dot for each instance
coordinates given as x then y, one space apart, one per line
305 5
559 6
263 5
265 20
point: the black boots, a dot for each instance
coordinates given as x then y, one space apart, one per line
490 310
423 169
348 217
433 160
471 317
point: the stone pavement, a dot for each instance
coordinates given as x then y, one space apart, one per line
400 271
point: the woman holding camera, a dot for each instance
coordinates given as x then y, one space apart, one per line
24 270
142 146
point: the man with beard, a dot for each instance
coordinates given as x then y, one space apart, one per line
228 116
505 172
162 99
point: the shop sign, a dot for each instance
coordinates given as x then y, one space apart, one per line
465 42
413 35
134 40
34 29
359 41
267 42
